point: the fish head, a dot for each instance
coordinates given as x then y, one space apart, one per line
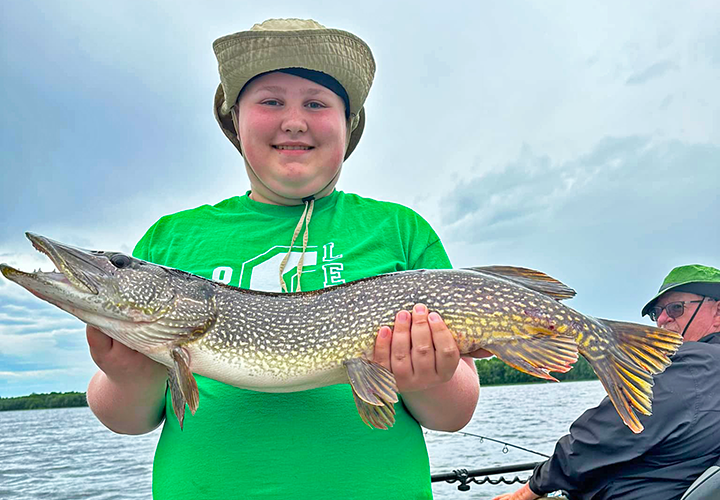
94 284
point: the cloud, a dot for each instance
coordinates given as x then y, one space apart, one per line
652 72
628 180
612 221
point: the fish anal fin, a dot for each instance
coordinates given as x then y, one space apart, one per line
625 361
184 381
529 278
536 352
374 390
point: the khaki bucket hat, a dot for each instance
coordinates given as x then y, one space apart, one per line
694 278
293 43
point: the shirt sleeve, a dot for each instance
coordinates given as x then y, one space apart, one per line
600 444
428 251
143 247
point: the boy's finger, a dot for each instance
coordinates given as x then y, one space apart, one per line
383 341
447 355
423 351
400 362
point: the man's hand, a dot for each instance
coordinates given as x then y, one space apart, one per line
524 493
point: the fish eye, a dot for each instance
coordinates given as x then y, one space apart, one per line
119 260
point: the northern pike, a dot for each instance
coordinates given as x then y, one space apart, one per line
280 342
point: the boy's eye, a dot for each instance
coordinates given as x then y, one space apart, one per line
315 105
271 102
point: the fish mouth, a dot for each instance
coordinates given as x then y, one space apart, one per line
67 260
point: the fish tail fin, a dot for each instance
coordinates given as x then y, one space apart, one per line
374 390
625 363
536 351
647 346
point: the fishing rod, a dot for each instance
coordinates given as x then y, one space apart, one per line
464 476
505 445
482 476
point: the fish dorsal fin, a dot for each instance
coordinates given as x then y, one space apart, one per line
529 278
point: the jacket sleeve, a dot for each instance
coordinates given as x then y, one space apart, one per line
600 444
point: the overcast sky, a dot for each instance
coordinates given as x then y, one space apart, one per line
578 138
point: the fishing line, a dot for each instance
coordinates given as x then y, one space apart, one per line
505 445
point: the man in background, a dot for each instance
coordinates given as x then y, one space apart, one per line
602 459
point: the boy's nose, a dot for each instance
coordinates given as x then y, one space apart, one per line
294 122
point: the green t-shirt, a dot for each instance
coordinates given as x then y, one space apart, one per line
312 444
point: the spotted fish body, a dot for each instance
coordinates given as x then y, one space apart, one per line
276 342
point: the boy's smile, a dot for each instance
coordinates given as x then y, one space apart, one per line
291 148
293 133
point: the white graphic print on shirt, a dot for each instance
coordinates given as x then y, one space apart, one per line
261 271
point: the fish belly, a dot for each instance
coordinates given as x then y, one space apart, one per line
264 375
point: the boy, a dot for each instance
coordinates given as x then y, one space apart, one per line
291 101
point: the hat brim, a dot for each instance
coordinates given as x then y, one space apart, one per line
228 127
706 289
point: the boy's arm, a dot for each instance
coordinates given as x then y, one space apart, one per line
128 393
440 390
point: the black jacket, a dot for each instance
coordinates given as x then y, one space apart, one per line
602 459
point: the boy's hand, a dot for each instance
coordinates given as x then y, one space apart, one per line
120 363
128 393
420 350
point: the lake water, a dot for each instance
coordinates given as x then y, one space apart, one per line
67 454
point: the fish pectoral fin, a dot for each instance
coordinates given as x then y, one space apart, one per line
182 384
626 362
374 390
529 278
537 352
178 400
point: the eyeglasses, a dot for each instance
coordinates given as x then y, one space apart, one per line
673 309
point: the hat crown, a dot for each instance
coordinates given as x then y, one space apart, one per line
693 278
693 273
290 24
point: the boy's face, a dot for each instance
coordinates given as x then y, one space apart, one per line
293 134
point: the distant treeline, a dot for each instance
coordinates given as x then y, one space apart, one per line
491 372
494 372
41 401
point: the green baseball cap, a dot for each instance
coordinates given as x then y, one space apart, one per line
694 278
